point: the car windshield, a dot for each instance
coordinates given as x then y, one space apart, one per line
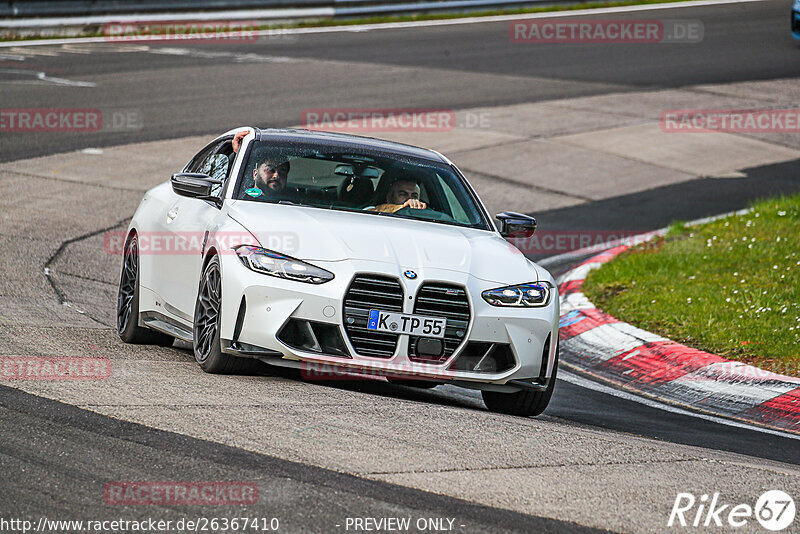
372 183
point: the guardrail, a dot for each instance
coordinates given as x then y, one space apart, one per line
32 9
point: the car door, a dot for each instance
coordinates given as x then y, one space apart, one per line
186 223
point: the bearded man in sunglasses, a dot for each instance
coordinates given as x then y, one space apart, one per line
269 176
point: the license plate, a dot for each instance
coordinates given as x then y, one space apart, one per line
403 323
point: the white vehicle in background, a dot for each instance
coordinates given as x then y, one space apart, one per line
310 275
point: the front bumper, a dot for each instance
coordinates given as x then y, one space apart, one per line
256 308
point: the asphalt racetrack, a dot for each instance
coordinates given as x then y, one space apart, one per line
321 454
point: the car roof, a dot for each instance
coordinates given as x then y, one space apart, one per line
347 141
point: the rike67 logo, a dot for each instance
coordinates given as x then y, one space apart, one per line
774 510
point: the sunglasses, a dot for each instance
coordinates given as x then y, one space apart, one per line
271 168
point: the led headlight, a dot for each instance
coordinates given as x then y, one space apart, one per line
275 264
532 295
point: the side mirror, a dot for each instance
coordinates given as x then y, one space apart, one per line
196 185
516 225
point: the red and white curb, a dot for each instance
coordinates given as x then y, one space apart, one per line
636 360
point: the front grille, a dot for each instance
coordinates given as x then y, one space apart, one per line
442 300
365 293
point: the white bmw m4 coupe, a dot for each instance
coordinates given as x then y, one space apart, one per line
339 254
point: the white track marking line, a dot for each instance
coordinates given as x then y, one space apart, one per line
76 49
125 48
424 23
63 81
43 77
33 52
601 388
211 54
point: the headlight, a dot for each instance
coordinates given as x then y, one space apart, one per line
532 295
275 264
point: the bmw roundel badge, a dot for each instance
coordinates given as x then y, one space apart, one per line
410 275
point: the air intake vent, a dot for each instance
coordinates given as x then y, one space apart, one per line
368 292
545 358
441 300
481 357
313 337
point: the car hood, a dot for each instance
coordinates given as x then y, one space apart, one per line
314 234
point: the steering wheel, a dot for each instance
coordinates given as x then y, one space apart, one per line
425 214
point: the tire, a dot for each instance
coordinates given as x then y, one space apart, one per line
524 403
128 302
205 331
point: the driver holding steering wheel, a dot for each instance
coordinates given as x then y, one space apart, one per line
403 193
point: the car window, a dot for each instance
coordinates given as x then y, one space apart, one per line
200 158
337 178
216 166
458 212
214 160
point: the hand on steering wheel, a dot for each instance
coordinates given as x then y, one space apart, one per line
414 204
